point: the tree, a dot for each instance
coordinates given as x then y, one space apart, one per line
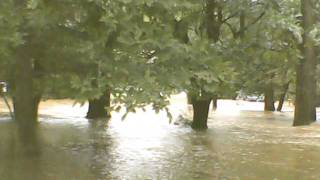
271 49
207 34
305 112
34 55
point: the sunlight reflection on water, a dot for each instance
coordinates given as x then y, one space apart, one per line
242 142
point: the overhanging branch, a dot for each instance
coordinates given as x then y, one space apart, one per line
254 21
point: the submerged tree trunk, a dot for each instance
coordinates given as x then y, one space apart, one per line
283 96
29 138
26 99
269 98
305 111
200 113
98 108
26 92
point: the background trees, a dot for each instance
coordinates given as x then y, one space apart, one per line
272 54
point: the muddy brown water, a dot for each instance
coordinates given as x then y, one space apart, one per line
242 142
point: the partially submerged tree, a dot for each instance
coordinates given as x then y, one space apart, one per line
305 112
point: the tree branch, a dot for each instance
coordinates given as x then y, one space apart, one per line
234 32
254 21
229 17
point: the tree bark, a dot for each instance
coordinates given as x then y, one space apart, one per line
305 112
269 98
26 99
200 113
26 93
98 108
282 97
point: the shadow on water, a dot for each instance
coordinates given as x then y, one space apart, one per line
100 145
46 151
20 151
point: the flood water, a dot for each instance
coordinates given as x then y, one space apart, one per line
242 142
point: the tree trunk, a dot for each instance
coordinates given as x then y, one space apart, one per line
214 18
214 103
189 98
26 100
269 98
29 138
98 108
305 111
200 113
26 93
282 97
318 100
